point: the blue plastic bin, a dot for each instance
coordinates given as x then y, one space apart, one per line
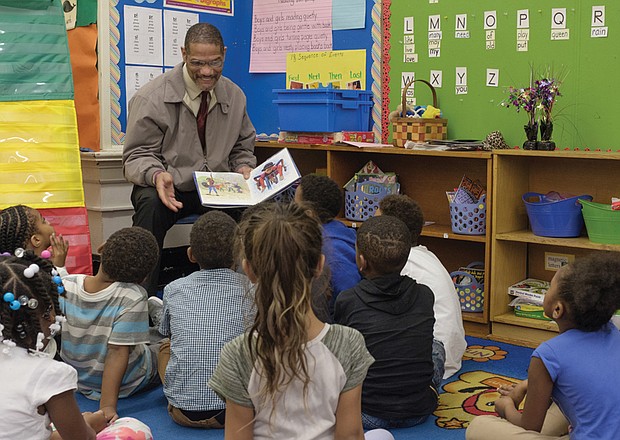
323 110
469 218
554 218
323 94
360 205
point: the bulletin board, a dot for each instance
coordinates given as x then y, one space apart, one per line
585 116
236 30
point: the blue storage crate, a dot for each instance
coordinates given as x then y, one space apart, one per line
324 110
323 94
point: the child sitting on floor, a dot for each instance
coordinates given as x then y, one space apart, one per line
23 227
576 371
325 197
395 315
36 389
424 267
106 334
201 312
291 376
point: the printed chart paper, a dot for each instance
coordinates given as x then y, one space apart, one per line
283 26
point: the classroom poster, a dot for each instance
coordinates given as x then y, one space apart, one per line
283 26
343 69
223 7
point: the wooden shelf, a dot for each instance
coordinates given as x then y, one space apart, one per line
516 252
576 242
424 176
473 317
510 318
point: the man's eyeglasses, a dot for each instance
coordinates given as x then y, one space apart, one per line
214 64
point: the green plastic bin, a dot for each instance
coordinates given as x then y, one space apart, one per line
602 223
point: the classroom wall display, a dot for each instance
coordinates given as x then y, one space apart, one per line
125 67
472 53
39 154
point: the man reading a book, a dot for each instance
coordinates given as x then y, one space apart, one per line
189 119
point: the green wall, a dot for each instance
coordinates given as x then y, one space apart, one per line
587 114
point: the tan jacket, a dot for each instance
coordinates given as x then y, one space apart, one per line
162 134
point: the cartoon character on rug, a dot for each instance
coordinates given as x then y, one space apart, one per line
473 394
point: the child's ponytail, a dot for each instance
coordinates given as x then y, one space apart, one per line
282 246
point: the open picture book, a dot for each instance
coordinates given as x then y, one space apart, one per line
231 190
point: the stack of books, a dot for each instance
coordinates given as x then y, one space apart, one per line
529 296
302 137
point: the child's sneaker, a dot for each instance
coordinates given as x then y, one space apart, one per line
156 306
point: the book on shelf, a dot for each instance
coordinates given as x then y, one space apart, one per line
532 289
299 137
232 190
524 308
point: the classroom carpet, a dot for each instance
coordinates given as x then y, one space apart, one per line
486 365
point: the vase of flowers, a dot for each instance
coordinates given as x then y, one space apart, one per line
548 90
525 99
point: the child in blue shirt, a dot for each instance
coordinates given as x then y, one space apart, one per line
576 371
325 197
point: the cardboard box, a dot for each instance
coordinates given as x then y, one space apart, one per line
531 289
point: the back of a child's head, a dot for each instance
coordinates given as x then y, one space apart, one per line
211 240
282 247
384 241
17 225
406 210
129 255
29 287
323 194
590 286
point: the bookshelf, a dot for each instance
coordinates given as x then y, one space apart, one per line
516 253
424 176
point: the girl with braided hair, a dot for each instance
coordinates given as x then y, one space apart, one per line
290 376
37 390
23 227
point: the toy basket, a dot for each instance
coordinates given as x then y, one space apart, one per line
417 129
554 218
469 218
469 288
602 223
361 204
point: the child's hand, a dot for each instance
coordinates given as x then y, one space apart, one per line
502 405
96 420
516 392
109 413
60 247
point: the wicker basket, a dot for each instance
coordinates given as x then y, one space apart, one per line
418 129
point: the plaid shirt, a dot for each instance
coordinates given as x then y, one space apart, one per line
201 313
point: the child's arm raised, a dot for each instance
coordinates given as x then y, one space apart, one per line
239 422
114 369
349 415
539 387
66 417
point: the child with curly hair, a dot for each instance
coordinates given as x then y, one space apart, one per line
290 376
424 267
37 390
395 315
573 378
106 334
201 312
324 195
23 227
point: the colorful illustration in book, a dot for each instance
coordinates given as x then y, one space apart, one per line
270 175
